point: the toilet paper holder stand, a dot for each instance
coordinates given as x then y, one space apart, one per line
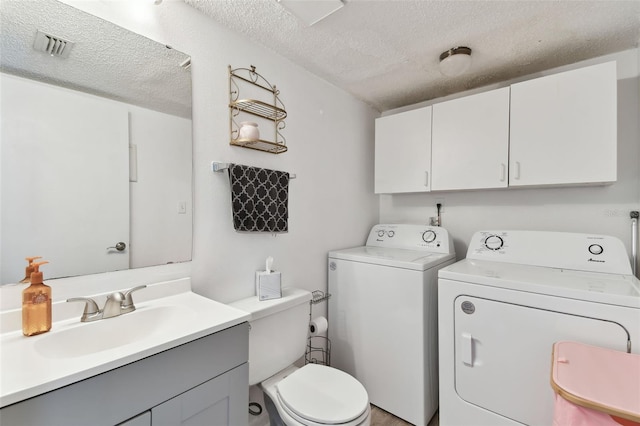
318 347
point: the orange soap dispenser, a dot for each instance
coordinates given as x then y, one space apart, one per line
29 269
36 304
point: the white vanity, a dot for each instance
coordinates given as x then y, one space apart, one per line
178 358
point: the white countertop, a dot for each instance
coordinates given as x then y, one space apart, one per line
26 372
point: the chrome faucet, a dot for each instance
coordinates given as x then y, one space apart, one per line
117 303
113 305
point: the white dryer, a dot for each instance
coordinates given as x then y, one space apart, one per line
383 319
502 308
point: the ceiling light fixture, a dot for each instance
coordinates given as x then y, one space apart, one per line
455 61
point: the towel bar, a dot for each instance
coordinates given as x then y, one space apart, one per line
217 166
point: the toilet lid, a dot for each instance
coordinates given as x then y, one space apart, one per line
323 394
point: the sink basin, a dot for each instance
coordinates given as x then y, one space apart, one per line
73 351
92 337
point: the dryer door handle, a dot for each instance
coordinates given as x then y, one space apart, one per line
466 349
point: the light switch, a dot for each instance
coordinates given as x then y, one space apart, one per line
182 207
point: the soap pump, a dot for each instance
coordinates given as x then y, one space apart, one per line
36 304
29 269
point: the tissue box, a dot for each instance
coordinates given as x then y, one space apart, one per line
268 285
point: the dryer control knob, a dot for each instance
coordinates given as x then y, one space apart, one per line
391 234
381 233
595 249
493 242
429 236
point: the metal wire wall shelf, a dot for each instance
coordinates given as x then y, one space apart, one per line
318 347
270 110
318 296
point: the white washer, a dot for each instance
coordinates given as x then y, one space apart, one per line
383 319
502 308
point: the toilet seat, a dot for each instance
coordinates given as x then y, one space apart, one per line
321 395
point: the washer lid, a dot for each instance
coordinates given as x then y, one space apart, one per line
323 394
398 258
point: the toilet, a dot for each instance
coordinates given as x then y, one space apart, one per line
312 395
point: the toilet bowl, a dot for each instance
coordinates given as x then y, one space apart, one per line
316 395
312 395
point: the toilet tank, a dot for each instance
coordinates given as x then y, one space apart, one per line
279 331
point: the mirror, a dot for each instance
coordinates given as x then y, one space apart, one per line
95 144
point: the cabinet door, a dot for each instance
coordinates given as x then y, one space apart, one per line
563 128
403 152
470 142
221 401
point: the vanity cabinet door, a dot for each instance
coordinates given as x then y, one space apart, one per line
221 401
403 152
564 128
470 142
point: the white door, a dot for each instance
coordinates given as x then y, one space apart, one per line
564 128
470 142
503 354
403 152
75 204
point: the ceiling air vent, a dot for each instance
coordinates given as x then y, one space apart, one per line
52 45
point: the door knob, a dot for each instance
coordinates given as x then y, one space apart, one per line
119 246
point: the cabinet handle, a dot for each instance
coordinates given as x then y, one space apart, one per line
517 170
426 179
503 172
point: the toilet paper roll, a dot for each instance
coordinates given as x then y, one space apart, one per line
318 325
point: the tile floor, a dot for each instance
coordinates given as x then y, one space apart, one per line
379 417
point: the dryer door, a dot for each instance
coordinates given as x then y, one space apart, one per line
503 354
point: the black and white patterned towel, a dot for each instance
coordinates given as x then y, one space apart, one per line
259 199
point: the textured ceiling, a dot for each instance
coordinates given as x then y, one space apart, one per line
386 52
106 60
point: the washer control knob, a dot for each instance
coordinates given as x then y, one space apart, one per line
429 236
493 242
381 233
391 234
595 249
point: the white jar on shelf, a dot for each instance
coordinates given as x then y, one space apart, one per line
249 130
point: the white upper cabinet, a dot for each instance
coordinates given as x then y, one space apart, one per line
563 128
470 142
559 129
403 152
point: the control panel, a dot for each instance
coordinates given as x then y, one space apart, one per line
411 237
582 252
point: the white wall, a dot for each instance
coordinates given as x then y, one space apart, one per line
602 209
330 139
